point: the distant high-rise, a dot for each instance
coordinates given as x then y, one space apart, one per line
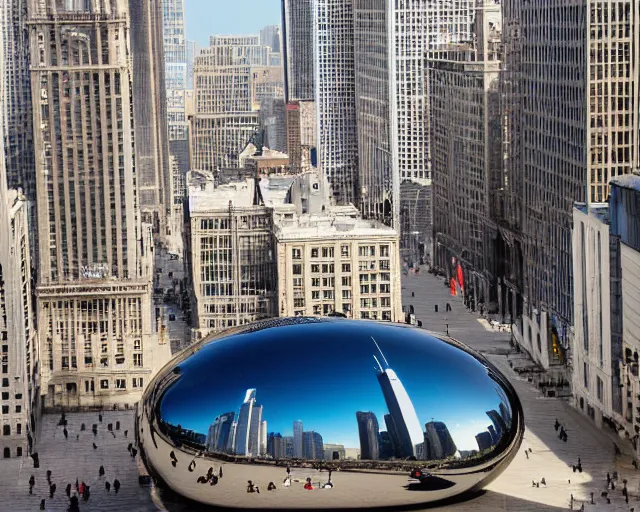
18 116
494 435
243 430
298 49
98 342
288 446
152 166
312 446
368 431
176 65
335 97
218 437
297 439
438 441
276 446
232 80
405 419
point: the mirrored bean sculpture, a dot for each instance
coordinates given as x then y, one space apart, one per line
327 413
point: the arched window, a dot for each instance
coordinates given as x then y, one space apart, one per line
7 453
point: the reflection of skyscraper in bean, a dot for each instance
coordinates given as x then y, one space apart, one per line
438 440
484 441
297 439
255 431
368 430
244 423
498 422
505 413
393 434
407 426
312 446
219 430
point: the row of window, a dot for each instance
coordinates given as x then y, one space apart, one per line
7 452
6 429
345 251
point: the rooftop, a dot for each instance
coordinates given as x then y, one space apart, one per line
275 189
337 223
205 197
598 210
631 181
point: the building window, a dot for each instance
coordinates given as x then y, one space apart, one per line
386 316
19 428
327 252
137 344
5 396
346 268
137 359
296 254
315 295
346 294
7 453
121 384
344 251
315 269
297 270
5 409
298 303
18 409
314 252
384 265
315 282
586 376
6 430
104 384
5 383
19 451
346 281
137 382
384 251
600 389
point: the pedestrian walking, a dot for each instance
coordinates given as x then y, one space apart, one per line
220 475
608 480
95 446
48 476
125 433
134 452
66 433
101 471
107 486
116 485
74 506
129 446
42 504
52 490
526 452
32 482
68 490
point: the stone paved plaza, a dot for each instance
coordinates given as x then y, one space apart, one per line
550 458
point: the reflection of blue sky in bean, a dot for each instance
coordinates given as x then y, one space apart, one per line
323 374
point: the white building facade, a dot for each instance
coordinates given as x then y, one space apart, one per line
592 368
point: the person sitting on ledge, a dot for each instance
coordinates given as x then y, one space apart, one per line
308 485
250 487
271 486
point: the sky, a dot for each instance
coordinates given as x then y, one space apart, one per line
324 379
208 17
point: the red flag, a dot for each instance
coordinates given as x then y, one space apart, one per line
460 278
454 292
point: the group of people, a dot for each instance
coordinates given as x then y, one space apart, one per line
212 477
308 485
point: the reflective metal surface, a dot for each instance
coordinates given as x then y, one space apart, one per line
327 413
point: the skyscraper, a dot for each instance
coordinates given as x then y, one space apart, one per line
297 439
438 441
152 166
96 261
20 392
243 430
570 149
463 92
335 97
368 431
484 441
401 409
298 51
177 80
18 115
